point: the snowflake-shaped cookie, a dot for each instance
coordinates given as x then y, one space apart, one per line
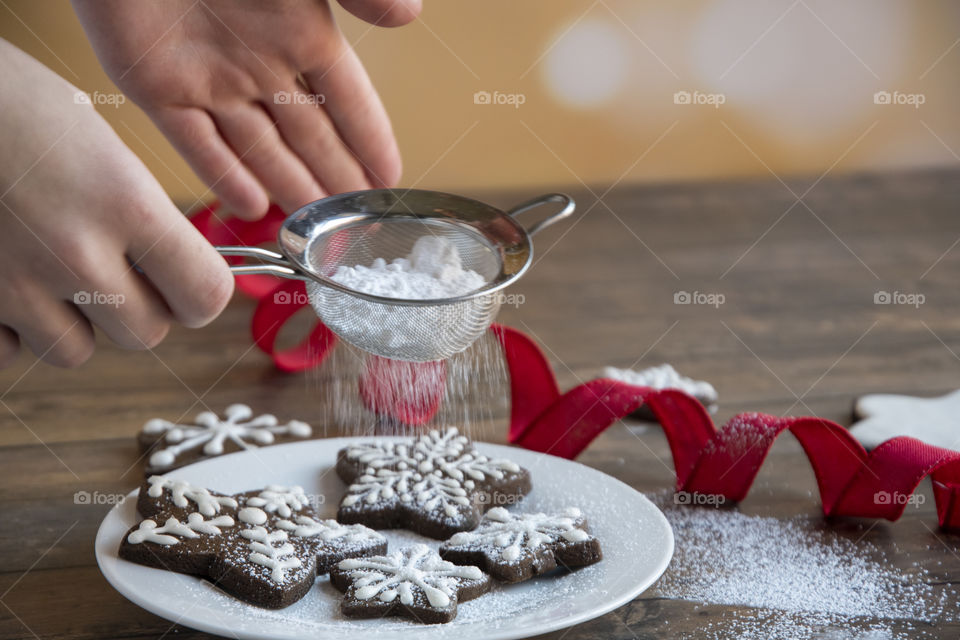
413 582
245 543
436 484
517 546
175 445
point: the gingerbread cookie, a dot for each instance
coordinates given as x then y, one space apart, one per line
436 484
663 376
264 547
883 416
413 582
174 445
513 547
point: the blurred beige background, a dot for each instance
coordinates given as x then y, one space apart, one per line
601 86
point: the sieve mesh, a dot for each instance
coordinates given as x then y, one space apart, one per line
419 332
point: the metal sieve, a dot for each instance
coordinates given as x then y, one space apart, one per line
356 228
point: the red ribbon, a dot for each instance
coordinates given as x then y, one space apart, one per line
407 392
724 462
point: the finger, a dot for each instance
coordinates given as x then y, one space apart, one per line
9 346
129 311
195 136
54 330
384 13
191 277
359 116
255 137
311 134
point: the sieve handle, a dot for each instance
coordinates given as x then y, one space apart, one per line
568 206
276 264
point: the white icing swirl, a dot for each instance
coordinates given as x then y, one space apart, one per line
172 529
330 530
210 433
439 470
508 536
405 573
280 500
252 515
431 491
265 552
181 492
664 377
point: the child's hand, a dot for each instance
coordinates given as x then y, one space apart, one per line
220 78
76 207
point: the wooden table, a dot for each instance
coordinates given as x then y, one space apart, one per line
799 332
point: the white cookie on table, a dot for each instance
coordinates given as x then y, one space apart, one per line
883 416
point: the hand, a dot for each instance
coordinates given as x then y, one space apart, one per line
76 208
212 75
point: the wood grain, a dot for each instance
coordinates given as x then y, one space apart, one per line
798 332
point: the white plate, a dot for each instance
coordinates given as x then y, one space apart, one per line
636 539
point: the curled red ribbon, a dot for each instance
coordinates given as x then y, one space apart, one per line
707 460
725 461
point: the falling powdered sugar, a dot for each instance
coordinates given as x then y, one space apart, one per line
799 581
432 270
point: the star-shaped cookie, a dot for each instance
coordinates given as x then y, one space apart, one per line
265 547
884 416
435 484
413 582
513 547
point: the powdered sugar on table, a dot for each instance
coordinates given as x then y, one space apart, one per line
798 579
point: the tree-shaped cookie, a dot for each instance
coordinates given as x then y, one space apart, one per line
264 547
517 546
436 484
174 445
413 582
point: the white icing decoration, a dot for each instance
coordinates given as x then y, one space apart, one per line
330 530
180 492
148 530
431 491
445 450
511 534
264 552
210 433
252 515
280 500
439 469
665 376
404 573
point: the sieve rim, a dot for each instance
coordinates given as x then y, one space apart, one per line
294 242
508 239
